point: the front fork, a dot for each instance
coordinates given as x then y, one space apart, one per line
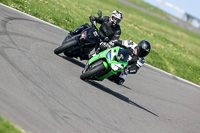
85 68
123 76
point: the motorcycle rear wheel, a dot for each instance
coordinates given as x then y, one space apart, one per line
66 46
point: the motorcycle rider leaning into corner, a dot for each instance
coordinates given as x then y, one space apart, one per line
137 53
109 29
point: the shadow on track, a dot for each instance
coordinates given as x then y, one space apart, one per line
74 61
117 95
126 87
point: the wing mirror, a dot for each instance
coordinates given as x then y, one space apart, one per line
99 13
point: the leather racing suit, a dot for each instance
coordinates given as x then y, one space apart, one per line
107 29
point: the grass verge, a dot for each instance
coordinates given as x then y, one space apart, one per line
7 127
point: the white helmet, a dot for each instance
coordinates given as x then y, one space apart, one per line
116 17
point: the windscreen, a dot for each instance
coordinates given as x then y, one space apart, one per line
123 55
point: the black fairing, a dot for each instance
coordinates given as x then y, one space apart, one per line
92 37
85 45
78 30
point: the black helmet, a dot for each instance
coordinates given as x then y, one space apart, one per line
143 48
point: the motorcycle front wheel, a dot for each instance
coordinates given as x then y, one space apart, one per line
66 46
89 74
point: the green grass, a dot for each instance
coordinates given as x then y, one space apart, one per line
7 127
174 49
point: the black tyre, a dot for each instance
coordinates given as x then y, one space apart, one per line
91 73
66 46
119 81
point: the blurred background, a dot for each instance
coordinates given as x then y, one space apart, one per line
187 10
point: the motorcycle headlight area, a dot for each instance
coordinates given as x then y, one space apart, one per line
116 66
84 35
108 56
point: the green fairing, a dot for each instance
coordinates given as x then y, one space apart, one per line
107 63
99 56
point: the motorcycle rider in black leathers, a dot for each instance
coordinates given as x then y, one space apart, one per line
109 29
137 53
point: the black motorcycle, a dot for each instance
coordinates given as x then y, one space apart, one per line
81 41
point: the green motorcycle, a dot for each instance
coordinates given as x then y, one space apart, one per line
106 64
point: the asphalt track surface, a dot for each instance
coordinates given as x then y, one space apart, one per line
43 93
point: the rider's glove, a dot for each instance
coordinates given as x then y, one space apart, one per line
127 43
106 39
111 43
105 44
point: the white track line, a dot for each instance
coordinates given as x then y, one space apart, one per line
181 79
